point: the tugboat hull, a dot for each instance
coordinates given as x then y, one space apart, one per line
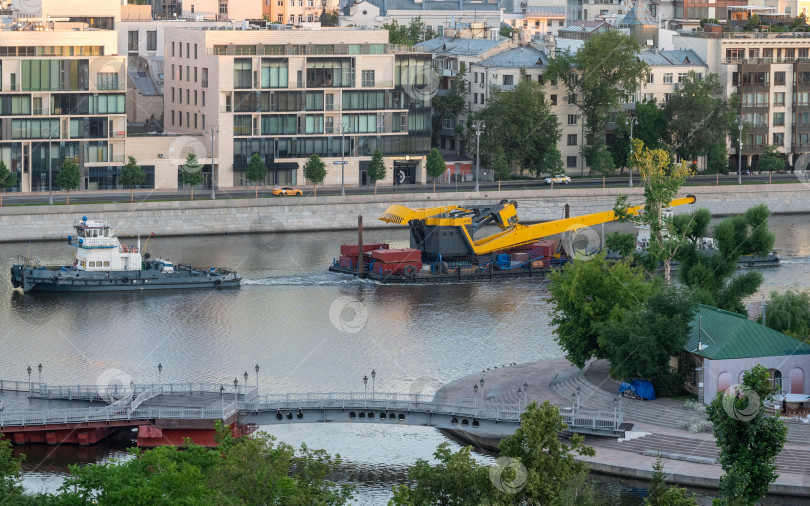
58 279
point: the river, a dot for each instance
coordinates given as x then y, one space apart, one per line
415 337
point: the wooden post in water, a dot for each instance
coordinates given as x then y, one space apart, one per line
360 252
566 211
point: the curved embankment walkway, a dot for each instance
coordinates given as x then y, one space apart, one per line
689 458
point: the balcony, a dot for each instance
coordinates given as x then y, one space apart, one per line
225 108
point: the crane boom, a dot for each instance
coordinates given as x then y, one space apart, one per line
448 231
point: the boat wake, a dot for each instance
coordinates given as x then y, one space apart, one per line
305 279
796 260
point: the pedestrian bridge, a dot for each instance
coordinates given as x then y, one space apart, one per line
178 407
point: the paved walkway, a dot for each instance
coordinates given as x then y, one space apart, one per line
689 458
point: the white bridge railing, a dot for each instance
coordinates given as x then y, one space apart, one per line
130 406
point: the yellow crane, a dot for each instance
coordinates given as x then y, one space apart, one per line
448 231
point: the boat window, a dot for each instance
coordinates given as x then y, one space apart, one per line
92 264
106 263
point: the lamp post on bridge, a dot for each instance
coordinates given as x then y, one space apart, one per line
631 121
579 392
373 375
573 404
475 396
365 390
246 377
29 380
235 386
478 127
520 397
39 368
615 411
160 374
222 397
257 379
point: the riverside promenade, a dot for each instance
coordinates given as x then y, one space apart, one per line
651 426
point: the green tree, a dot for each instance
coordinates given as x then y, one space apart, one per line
435 166
642 343
409 35
500 167
191 172
586 294
661 494
456 479
717 159
315 171
713 21
506 32
551 465
452 104
11 489
753 22
257 172
771 161
699 116
329 18
789 313
712 275
521 123
8 180
132 175
622 243
376 168
69 177
600 74
749 439
662 181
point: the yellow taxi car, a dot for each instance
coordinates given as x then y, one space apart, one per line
558 179
283 191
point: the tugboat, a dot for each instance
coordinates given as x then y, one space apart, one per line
103 264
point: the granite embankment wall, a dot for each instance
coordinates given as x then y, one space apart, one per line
301 214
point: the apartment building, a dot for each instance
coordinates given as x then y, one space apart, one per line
772 76
450 55
294 12
286 94
62 95
436 14
668 69
221 10
538 20
100 14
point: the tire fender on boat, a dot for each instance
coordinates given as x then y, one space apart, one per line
409 271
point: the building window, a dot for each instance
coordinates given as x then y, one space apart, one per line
572 139
195 97
368 78
180 74
779 139
132 43
205 77
572 119
571 162
203 121
242 71
172 49
667 96
203 98
475 98
107 80
188 117
188 96
195 50
681 77
180 44
195 74
651 78
508 80
778 119
553 99
475 77
172 94
779 98
779 78
667 78
151 40
180 117
179 95
188 73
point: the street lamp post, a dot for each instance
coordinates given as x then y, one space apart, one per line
475 396
235 386
246 377
365 390
257 379
520 397
615 412
222 397
478 125
343 128
29 380
579 392
373 375
212 129
631 121
160 374
39 368
740 122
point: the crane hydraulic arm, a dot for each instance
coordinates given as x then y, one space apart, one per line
448 231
